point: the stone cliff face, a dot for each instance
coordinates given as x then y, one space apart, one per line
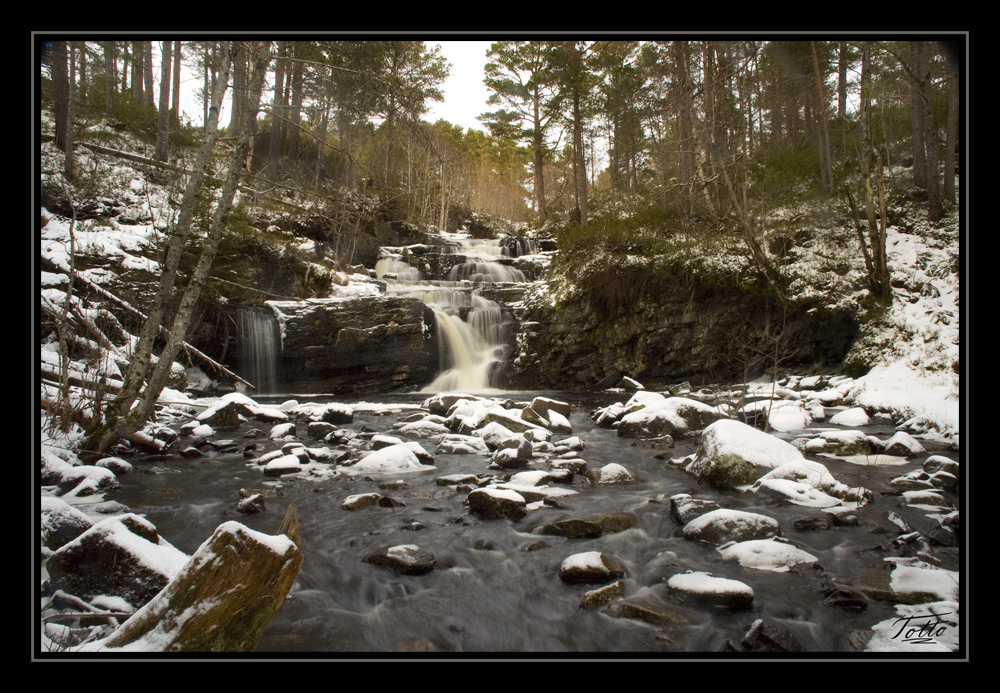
702 329
364 344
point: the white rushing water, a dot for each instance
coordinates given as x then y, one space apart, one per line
469 326
260 346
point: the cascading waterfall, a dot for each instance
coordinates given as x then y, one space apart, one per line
469 326
260 346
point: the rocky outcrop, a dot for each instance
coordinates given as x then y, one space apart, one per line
365 344
664 327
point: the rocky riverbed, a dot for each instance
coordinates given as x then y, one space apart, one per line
616 522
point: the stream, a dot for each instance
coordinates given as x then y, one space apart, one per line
494 589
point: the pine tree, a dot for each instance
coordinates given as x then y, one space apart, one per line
520 77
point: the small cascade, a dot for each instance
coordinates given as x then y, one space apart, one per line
260 347
470 327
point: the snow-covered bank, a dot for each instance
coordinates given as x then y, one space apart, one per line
929 404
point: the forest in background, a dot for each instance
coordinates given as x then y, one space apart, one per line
702 130
616 146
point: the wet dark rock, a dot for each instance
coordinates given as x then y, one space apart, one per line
87 480
940 463
812 524
338 415
603 595
405 559
495 504
590 526
370 344
319 429
229 415
766 637
684 508
361 500
253 505
113 558
115 464
844 598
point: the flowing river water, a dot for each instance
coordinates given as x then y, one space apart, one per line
494 588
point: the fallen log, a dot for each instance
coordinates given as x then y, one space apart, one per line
224 597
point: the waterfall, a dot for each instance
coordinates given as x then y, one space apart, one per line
260 346
469 326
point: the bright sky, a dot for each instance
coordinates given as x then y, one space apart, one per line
464 92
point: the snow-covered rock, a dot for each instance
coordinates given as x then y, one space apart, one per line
700 587
590 567
720 526
732 453
395 459
766 554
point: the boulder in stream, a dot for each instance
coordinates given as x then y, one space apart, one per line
732 454
121 556
223 598
591 567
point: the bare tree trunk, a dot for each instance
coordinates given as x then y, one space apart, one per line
138 58
685 140
176 108
926 141
277 112
103 433
148 73
539 161
579 163
826 165
109 77
185 308
951 140
163 120
62 78
917 111
295 115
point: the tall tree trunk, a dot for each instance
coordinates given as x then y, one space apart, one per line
928 136
239 90
82 84
138 58
536 141
685 140
295 113
109 77
185 309
277 112
951 138
147 74
163 120
842 92
62 77
103 433
917 117
576 77
175 110
822 130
